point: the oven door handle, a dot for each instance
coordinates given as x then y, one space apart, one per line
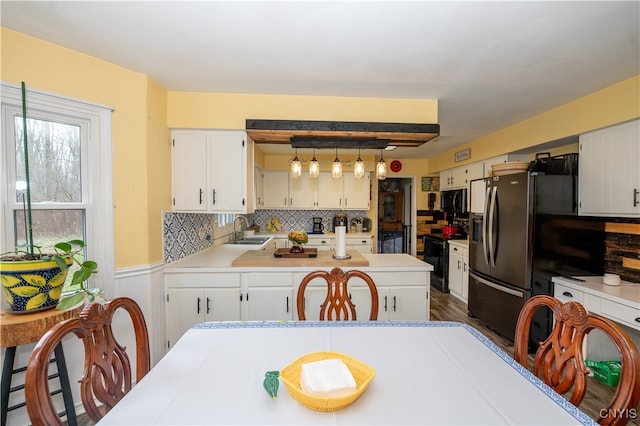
496 286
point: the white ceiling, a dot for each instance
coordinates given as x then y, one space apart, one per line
490 64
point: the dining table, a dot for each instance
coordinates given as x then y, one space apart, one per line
426 373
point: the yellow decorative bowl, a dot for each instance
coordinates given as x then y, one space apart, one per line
362 374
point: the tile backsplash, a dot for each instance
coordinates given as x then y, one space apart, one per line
189 233
186 233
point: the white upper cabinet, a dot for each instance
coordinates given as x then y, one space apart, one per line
460 177
276 189
329 191
303 192
280 191
210 172
189 159
357 192
258 187
609 171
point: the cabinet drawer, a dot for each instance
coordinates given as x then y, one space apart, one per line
565 294
399 278
267 279
203 280
622 313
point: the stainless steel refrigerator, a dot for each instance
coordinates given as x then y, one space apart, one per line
528 232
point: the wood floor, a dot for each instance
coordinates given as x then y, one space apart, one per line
445 307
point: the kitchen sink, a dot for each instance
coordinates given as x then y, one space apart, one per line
250 241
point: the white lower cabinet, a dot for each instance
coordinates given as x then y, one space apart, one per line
363 245
190 306
459 270
266 295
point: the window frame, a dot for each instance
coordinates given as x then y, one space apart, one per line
97 189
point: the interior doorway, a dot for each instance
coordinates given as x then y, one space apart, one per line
394 215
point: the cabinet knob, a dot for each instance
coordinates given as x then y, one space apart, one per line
567 294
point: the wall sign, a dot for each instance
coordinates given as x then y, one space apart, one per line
463 155
430 184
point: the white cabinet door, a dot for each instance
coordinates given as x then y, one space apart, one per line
259 187
609 171
455 273
228 174
189 174
189 306
184 310
302 192
330 191
210 171
270 303
459 271
404 303
276 189
357 192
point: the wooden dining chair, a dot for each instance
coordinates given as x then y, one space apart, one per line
337 304
107 374
559 360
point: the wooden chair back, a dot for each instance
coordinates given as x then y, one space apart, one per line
337 304
107 374
559 360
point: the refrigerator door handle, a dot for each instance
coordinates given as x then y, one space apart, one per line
492 212
485 224
496 286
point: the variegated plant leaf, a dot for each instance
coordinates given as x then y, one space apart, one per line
9 280
36 301
33 279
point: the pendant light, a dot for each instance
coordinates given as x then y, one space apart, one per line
314 166
358 168
381 168
336 167
296 166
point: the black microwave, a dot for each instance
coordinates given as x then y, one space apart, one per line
453 201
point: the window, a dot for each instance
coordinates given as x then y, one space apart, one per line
69 145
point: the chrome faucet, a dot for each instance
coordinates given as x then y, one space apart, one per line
235 233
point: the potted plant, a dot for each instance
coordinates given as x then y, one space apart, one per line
32 280
298 238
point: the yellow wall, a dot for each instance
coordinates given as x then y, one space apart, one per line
614 104
49 67
141 150
229 111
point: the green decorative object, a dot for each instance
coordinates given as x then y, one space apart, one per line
271 383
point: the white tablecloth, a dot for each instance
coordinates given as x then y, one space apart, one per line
426 373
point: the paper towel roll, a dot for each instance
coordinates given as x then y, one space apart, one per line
341 241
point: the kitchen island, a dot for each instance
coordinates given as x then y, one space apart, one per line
207 287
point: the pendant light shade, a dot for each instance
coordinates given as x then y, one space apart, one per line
296 166
381 168
314 166
358 168
336 167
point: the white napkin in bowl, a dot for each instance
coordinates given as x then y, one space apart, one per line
329 377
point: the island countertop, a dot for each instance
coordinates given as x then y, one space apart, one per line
220 259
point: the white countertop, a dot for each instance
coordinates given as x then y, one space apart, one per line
218 259
624 293
460 243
